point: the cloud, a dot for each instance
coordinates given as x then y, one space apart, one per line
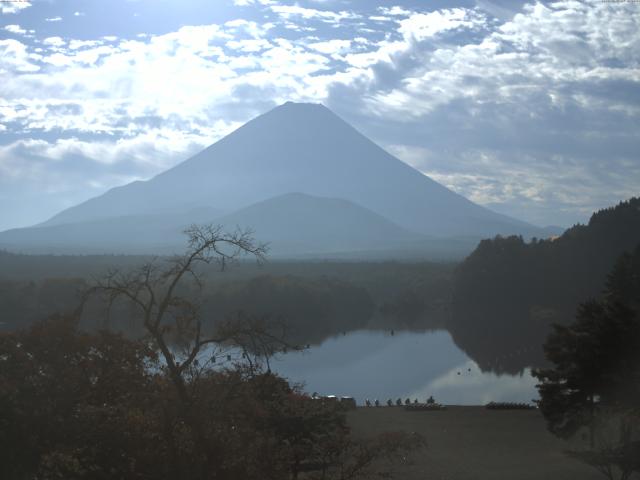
14 6
394 11
246 3
420 26
54 41
252 45
17 29
15 57
543 47
331 47
156 148
53 19
289 12
176 77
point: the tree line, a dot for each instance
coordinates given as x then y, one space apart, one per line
508 292
593 382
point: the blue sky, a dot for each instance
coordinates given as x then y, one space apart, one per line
532 109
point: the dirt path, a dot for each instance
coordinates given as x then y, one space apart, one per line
472 443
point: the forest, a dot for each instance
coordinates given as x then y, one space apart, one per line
508 292
315 300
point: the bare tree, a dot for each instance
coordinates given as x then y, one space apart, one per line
170 316
171 319
153 289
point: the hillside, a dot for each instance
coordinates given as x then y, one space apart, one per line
128 234
508 291
295 225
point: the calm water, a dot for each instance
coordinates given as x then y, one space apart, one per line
370 364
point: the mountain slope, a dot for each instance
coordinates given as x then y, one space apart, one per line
293 224
302 148
140 234
297 223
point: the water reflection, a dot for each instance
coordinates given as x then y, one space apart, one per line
369 364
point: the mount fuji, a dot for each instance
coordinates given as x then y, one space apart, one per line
300 176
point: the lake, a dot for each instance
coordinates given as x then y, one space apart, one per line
381 365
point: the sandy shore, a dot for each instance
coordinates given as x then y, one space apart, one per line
472 443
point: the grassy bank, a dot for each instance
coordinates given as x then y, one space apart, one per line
472 443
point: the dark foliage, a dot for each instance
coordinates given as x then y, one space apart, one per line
596 359
311 309
315 299
508 292
595 378
508 406
75 405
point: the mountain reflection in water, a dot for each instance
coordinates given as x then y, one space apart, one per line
378 365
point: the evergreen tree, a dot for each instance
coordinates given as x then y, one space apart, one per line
595 378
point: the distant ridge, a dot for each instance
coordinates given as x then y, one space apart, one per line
297 223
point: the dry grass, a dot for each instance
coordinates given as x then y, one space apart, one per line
472 443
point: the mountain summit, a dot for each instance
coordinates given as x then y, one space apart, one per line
304 148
